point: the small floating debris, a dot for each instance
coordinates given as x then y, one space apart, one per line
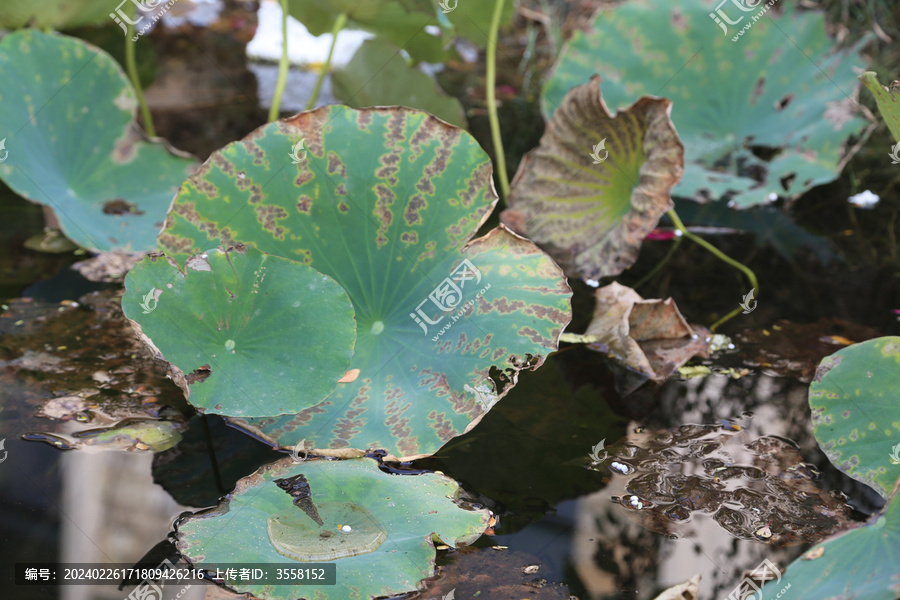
865 199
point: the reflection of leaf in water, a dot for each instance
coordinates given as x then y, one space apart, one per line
298 488
677 475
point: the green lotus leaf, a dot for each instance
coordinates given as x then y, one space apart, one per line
888 101
379 76
399 21
245 333
859 564
377 528
855 413
598 183
384 200
762 107
55 14
69 120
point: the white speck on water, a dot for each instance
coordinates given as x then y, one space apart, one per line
592 282
296 304
229 344
346 529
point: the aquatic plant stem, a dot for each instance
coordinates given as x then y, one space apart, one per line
490 84
131 66
339 24
282 65
721 256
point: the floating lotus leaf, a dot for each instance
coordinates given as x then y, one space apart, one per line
855 412
385 200
379 76
888 100
244 333
68 119
376 527
860 564
597 184
765 111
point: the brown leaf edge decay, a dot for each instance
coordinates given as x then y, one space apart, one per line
649 200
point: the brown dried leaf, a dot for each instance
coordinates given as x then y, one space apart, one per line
598 183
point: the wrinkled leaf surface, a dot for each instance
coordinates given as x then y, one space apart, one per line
598 183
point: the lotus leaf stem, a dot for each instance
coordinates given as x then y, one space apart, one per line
721 256
131 66
282 65
490 84
339 24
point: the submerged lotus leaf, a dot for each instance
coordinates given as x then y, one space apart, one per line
860 563
351 530
855 412
762 110
597 184
68 120
377 527
245 333
888 100
385 201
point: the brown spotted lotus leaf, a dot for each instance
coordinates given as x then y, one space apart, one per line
856 411
385 201
648 337
598 183
765 103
